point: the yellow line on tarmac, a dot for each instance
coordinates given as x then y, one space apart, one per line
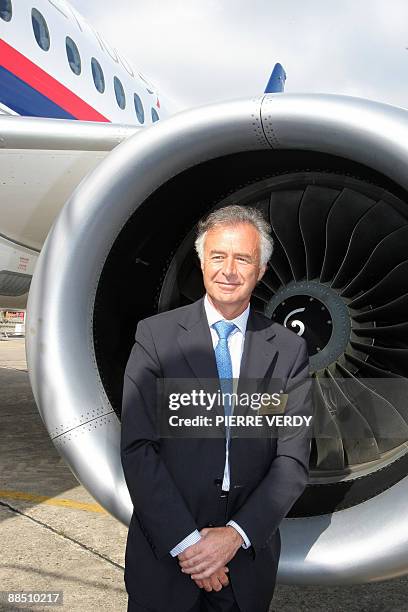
52 501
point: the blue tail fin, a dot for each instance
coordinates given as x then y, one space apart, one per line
276 83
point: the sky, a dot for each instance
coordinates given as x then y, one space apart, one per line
202 51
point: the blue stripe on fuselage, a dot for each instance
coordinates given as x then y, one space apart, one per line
25 100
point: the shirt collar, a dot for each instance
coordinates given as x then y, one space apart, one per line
213 316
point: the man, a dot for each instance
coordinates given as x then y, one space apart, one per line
204 532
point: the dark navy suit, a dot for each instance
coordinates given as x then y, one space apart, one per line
172 481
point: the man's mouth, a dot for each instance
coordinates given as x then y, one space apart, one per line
228 284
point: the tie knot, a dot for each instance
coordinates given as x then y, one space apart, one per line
223 329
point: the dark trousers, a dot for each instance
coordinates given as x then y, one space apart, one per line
221 601
214 601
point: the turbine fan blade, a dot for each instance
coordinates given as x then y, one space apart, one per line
397 335
382 417
394 390
358 437
279 263
391 386
393 312
283 214
270 280
396 358
378 221
313 211
262 293
329 444
388 253
369 368
341 220
392 286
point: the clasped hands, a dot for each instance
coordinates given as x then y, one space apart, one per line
206 561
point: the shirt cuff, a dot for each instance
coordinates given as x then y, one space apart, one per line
247 542
191 539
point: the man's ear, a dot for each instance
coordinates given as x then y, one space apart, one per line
261 273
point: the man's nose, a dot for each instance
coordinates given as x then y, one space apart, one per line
229 268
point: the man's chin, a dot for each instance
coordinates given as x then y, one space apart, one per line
227 299
224 296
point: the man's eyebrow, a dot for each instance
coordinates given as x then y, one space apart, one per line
218 251
244 255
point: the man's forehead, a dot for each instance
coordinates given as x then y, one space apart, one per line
241 231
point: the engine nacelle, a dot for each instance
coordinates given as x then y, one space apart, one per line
330 172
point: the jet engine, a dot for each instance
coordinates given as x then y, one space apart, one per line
331 175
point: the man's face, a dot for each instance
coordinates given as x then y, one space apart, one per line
231 266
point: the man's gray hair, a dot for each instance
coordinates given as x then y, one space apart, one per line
233 215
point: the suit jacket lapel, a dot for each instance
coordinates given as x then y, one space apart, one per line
196 343
260 352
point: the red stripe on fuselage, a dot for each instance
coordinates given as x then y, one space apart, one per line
41 81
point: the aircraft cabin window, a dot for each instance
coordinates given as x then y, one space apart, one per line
74 59
119 93
139 108
6 10
97 75
155 116
40 29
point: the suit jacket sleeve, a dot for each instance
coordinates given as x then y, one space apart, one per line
160 508
287 477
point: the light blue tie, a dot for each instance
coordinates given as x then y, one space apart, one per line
223 359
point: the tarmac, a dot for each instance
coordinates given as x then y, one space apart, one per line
54 537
